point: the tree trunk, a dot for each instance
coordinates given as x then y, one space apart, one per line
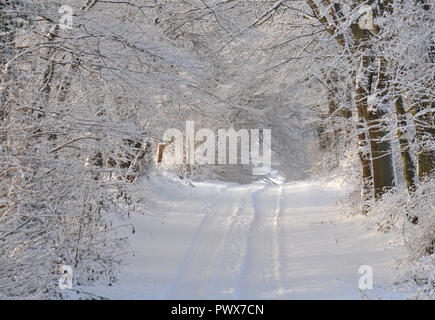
424 118
364 156
382 160
363 147
363 143
425 128
382 157
408 166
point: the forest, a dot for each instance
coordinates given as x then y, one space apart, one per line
88 89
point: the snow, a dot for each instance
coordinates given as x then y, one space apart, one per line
217 240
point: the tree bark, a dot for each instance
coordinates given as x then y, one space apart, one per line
408 166
425 129
382 157
363 143
382 160
364 156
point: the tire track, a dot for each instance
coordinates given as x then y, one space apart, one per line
208 243
259 276
229 260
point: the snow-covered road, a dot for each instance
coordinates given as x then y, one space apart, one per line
258 241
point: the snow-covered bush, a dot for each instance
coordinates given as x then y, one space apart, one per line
413 217
421 278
